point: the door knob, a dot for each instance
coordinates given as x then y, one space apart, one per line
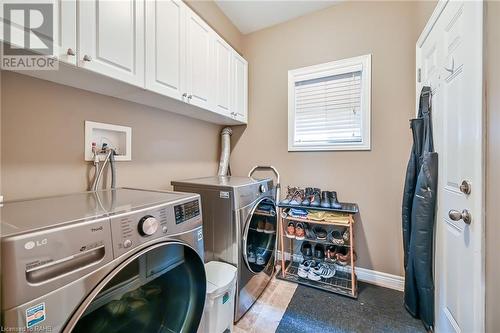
70 52
455 215
465 187
87 58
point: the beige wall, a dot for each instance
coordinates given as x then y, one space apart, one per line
492 165
43 134
373 179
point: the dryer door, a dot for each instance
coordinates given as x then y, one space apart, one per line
259 236
160 289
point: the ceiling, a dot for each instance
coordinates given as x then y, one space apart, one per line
252 15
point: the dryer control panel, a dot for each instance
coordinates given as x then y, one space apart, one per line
133 229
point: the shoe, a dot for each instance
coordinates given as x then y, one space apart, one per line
345 259
336 237
290 192
307 194
261 258
334 202
299 231
304 268
251 256
325 199
309 232
315 199
261 225
331 252
346 236
314 273
319 251
320 233
325 271
290 230
306 250
298 197
269 227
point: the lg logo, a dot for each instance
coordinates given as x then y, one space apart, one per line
29 28
32 244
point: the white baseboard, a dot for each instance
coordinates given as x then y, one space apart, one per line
382 279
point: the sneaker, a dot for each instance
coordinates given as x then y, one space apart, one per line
331 252
261 225
309 232
261 258
345 259
336 237
298 197
289 196
314 273
251 256
320 233
306 250
319 251
307 198
304 268
346 236
299 231
326 271
290 230
269 227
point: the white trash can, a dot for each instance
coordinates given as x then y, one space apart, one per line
219 306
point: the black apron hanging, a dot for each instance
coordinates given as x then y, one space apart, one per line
419 206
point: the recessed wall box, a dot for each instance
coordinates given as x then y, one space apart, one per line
115 137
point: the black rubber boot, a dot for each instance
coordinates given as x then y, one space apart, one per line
334 202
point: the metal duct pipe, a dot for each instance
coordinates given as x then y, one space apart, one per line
225 151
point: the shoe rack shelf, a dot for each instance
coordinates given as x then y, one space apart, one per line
344 281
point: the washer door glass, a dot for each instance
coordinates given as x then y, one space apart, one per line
162 290
260 236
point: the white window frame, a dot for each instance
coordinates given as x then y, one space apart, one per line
328 69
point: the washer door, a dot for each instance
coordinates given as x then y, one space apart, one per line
160 289
259 236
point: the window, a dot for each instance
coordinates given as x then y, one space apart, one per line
329 106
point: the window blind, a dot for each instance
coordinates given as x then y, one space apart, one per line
328 109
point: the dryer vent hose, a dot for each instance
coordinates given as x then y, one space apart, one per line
225 151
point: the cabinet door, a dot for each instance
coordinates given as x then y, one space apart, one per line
65 31
165 47
198 61
112 38
240 87
222 66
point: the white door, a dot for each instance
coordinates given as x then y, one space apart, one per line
240 86
198 61
165 47
449 59
65 31
112 38
222 76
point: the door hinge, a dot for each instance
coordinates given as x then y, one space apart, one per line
419 75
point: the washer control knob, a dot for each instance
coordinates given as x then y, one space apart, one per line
127 243
262 189
148 225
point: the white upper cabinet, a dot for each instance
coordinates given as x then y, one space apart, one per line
239 103
165 48
111 38
65 31
198 61
222 74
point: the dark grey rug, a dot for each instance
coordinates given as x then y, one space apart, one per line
377 309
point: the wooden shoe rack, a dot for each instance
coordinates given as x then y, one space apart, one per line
344 281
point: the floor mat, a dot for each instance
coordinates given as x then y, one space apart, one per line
377 309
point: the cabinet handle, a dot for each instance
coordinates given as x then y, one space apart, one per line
70 52
184 95
87 58
190 96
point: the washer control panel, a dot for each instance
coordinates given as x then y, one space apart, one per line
135 228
